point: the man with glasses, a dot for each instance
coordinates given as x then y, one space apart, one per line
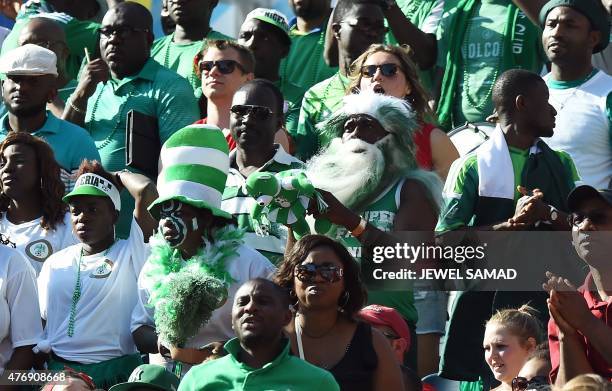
266 33
579 331
223 67
192 29
126 78
256 116
356 25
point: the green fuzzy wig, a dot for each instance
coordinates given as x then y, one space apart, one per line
183 293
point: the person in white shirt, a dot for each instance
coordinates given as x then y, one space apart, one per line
20 325
197 249
32 213
87 291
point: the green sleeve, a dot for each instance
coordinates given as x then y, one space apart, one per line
443 33
292 117
177 107
569 165
328 383
305 136
460 195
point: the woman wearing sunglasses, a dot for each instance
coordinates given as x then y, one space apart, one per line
324 282
511 336
389 70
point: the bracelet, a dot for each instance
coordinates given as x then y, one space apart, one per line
361 227
73 107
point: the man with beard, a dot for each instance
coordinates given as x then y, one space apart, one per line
31 83
266 33
259 357
177 50
581 94
356 25
305 65
374 186
126 78
579 330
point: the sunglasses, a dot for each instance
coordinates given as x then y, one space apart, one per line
522 384
309 272
225 67
598 217
365 25
120 31
260 113
387 70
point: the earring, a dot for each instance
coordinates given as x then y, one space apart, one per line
344 301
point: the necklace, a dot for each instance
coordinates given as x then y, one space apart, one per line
76 294
298 337
192 78
480 106
118 117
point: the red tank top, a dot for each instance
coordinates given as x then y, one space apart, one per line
422 140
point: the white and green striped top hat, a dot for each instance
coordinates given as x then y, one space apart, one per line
195 162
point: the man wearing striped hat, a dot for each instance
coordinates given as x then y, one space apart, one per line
198 258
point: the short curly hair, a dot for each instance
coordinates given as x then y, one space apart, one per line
352 276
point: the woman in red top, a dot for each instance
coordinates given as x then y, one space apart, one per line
389 70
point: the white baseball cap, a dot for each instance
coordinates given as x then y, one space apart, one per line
29 59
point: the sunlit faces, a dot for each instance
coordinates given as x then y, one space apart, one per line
319 292
504 352
395 84
216 84
19 170
176 221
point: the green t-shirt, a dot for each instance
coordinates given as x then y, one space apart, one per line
459 209
293 95
381 214
154 91
319 103
285 372
240 205
79 34
305 65
482 56
179 57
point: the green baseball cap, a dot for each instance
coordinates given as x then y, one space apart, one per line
271 16
150 376
94 185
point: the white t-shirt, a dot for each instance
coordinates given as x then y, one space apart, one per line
583 128
247 265
35 242
20 323
108 294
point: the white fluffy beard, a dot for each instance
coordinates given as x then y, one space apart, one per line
351 171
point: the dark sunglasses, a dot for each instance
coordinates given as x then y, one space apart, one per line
260 113
121 31
309 272
522 384
224 66
365 25
598 217
387 70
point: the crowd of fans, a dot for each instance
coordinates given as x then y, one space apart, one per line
131 257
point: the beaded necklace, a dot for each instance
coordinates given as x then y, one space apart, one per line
76 294
466 76
118 117
192 78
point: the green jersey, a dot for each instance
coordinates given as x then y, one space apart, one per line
304 66
239 204
319 103
461 188
381 214
293 95
179 57
80 35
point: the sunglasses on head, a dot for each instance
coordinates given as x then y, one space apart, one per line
225 67
597 217
261 113
522 383
308 272
386 70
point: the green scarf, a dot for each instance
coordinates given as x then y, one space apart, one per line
463 12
